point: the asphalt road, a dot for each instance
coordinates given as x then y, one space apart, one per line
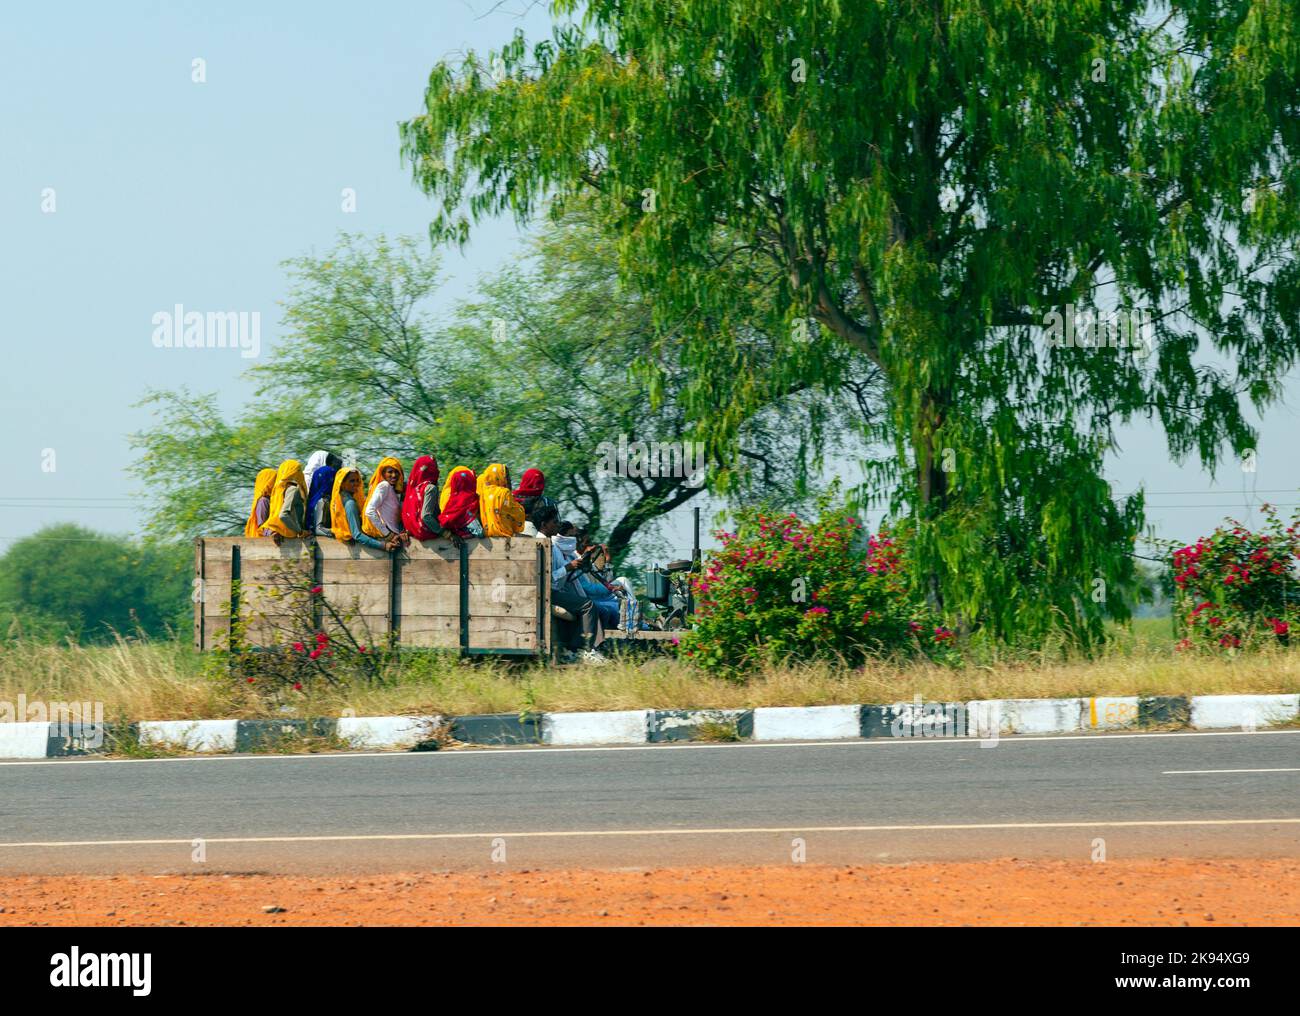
1163 795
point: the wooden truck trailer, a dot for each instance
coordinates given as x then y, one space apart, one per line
487 596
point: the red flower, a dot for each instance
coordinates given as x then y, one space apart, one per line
321 638
315 590
361 649
298 647
1280 627
297 687
251 680
314 654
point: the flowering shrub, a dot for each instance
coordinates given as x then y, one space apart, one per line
781 588
1236 588
317 641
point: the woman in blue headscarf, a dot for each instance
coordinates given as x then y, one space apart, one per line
318 500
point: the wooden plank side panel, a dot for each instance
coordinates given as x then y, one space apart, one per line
358 597
216 632
514 548
484 633
369 570
497 600
507 593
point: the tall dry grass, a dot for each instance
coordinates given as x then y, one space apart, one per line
139 679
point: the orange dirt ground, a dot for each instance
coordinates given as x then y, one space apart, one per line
1004 892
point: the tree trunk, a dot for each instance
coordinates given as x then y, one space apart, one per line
931 479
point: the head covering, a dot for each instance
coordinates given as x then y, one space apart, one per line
446 486
338 516
321 485
494 475
375 480
462 503
532 484
314 461
502 515
423 473
288 475
261 488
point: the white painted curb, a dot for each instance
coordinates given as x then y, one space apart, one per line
1218 711
807 723
627 727
1024 716
193 735
386 731
29 739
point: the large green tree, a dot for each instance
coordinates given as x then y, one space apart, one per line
929 182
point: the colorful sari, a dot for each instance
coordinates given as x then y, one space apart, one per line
531 484
262 487
375 480
338 512
320 486
501 514
423 473
461 508
446 486
288 475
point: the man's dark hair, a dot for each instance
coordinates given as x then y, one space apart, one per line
544 513
333 461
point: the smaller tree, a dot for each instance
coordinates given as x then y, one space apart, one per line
69 582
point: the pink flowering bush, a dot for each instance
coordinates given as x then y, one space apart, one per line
1236 588
783 589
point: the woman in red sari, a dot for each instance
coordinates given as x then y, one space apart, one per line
459 516
420 503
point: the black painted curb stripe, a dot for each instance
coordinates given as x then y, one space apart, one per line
936 719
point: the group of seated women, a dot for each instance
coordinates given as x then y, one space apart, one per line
326 498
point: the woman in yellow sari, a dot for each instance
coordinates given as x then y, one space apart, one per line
345 512
500 512
288 514
258 514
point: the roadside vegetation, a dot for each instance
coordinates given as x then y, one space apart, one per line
140 678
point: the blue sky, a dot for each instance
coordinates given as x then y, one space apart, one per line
169 191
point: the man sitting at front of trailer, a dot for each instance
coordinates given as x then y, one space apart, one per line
565 591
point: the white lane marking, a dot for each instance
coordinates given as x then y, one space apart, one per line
542 750
543 834
1190 772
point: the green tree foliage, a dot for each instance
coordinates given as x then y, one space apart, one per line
69 582
535 370
929 183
